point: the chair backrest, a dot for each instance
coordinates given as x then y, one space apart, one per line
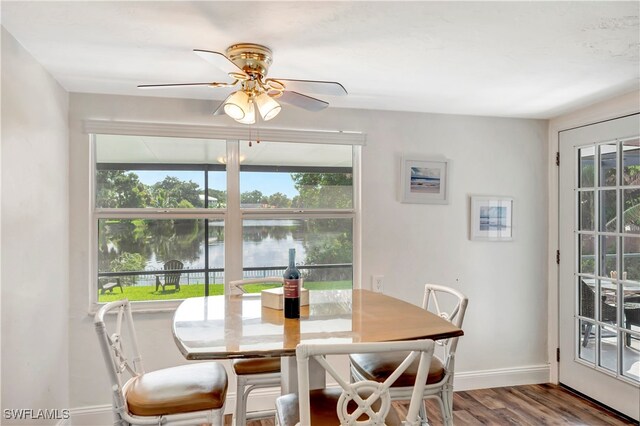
172 277
451 305
587 306
237 286
120 359
587 300
371 398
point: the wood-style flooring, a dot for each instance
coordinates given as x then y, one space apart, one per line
532 405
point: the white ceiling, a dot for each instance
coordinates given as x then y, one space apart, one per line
515 59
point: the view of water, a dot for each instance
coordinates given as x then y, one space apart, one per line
266 243
146 244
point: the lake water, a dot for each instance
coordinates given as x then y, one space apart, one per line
266 243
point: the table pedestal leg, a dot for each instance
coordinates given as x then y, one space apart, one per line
289 375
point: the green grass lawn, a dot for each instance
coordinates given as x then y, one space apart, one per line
196 290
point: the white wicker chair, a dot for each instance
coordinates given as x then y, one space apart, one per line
364 402
257 372
449 304
184 395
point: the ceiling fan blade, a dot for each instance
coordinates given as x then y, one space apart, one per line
220 109
330 88
303 101
219 60
156 86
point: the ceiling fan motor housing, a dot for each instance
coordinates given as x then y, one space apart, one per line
253 59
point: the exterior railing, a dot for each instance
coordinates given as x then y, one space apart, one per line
325 272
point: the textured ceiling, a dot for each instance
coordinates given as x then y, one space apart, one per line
515 59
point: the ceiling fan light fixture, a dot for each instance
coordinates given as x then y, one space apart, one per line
268 107
249 114
236 105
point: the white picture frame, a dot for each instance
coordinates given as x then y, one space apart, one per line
424 181
491 218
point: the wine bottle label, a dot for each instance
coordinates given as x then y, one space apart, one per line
292 288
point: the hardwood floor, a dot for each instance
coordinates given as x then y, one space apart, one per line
532 405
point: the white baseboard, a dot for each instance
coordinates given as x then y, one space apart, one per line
264 399
501 377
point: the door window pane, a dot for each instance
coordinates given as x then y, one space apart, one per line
631 258
587 211
586 345
296 175
631 162
608 164
631 292
608 301
631 356
631 211
324 250
587 167
587 259
608 258
609 348
587 299
608 211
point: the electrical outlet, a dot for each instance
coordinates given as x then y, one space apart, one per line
377 283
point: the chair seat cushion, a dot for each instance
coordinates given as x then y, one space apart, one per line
323 409
256 366
380 365
181 389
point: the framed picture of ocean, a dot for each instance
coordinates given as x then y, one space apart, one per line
424 181
491 218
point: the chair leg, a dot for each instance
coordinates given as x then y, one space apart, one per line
241 403
447 400
424 421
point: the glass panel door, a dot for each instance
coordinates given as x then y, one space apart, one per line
600 280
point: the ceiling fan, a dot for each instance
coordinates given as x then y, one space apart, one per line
247 64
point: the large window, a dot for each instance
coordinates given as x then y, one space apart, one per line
160 200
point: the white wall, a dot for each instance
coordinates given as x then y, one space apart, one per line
35 229
506 323
612 108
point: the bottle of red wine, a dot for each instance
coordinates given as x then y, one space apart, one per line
292 284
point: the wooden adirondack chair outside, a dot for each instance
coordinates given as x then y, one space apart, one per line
170 278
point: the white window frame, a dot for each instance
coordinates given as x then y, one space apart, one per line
233 216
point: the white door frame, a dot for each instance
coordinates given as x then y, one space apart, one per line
613 391
617 107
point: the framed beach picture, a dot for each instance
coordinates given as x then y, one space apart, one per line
424 181
491 218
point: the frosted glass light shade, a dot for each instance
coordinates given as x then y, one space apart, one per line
237 105
268 107
249 114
